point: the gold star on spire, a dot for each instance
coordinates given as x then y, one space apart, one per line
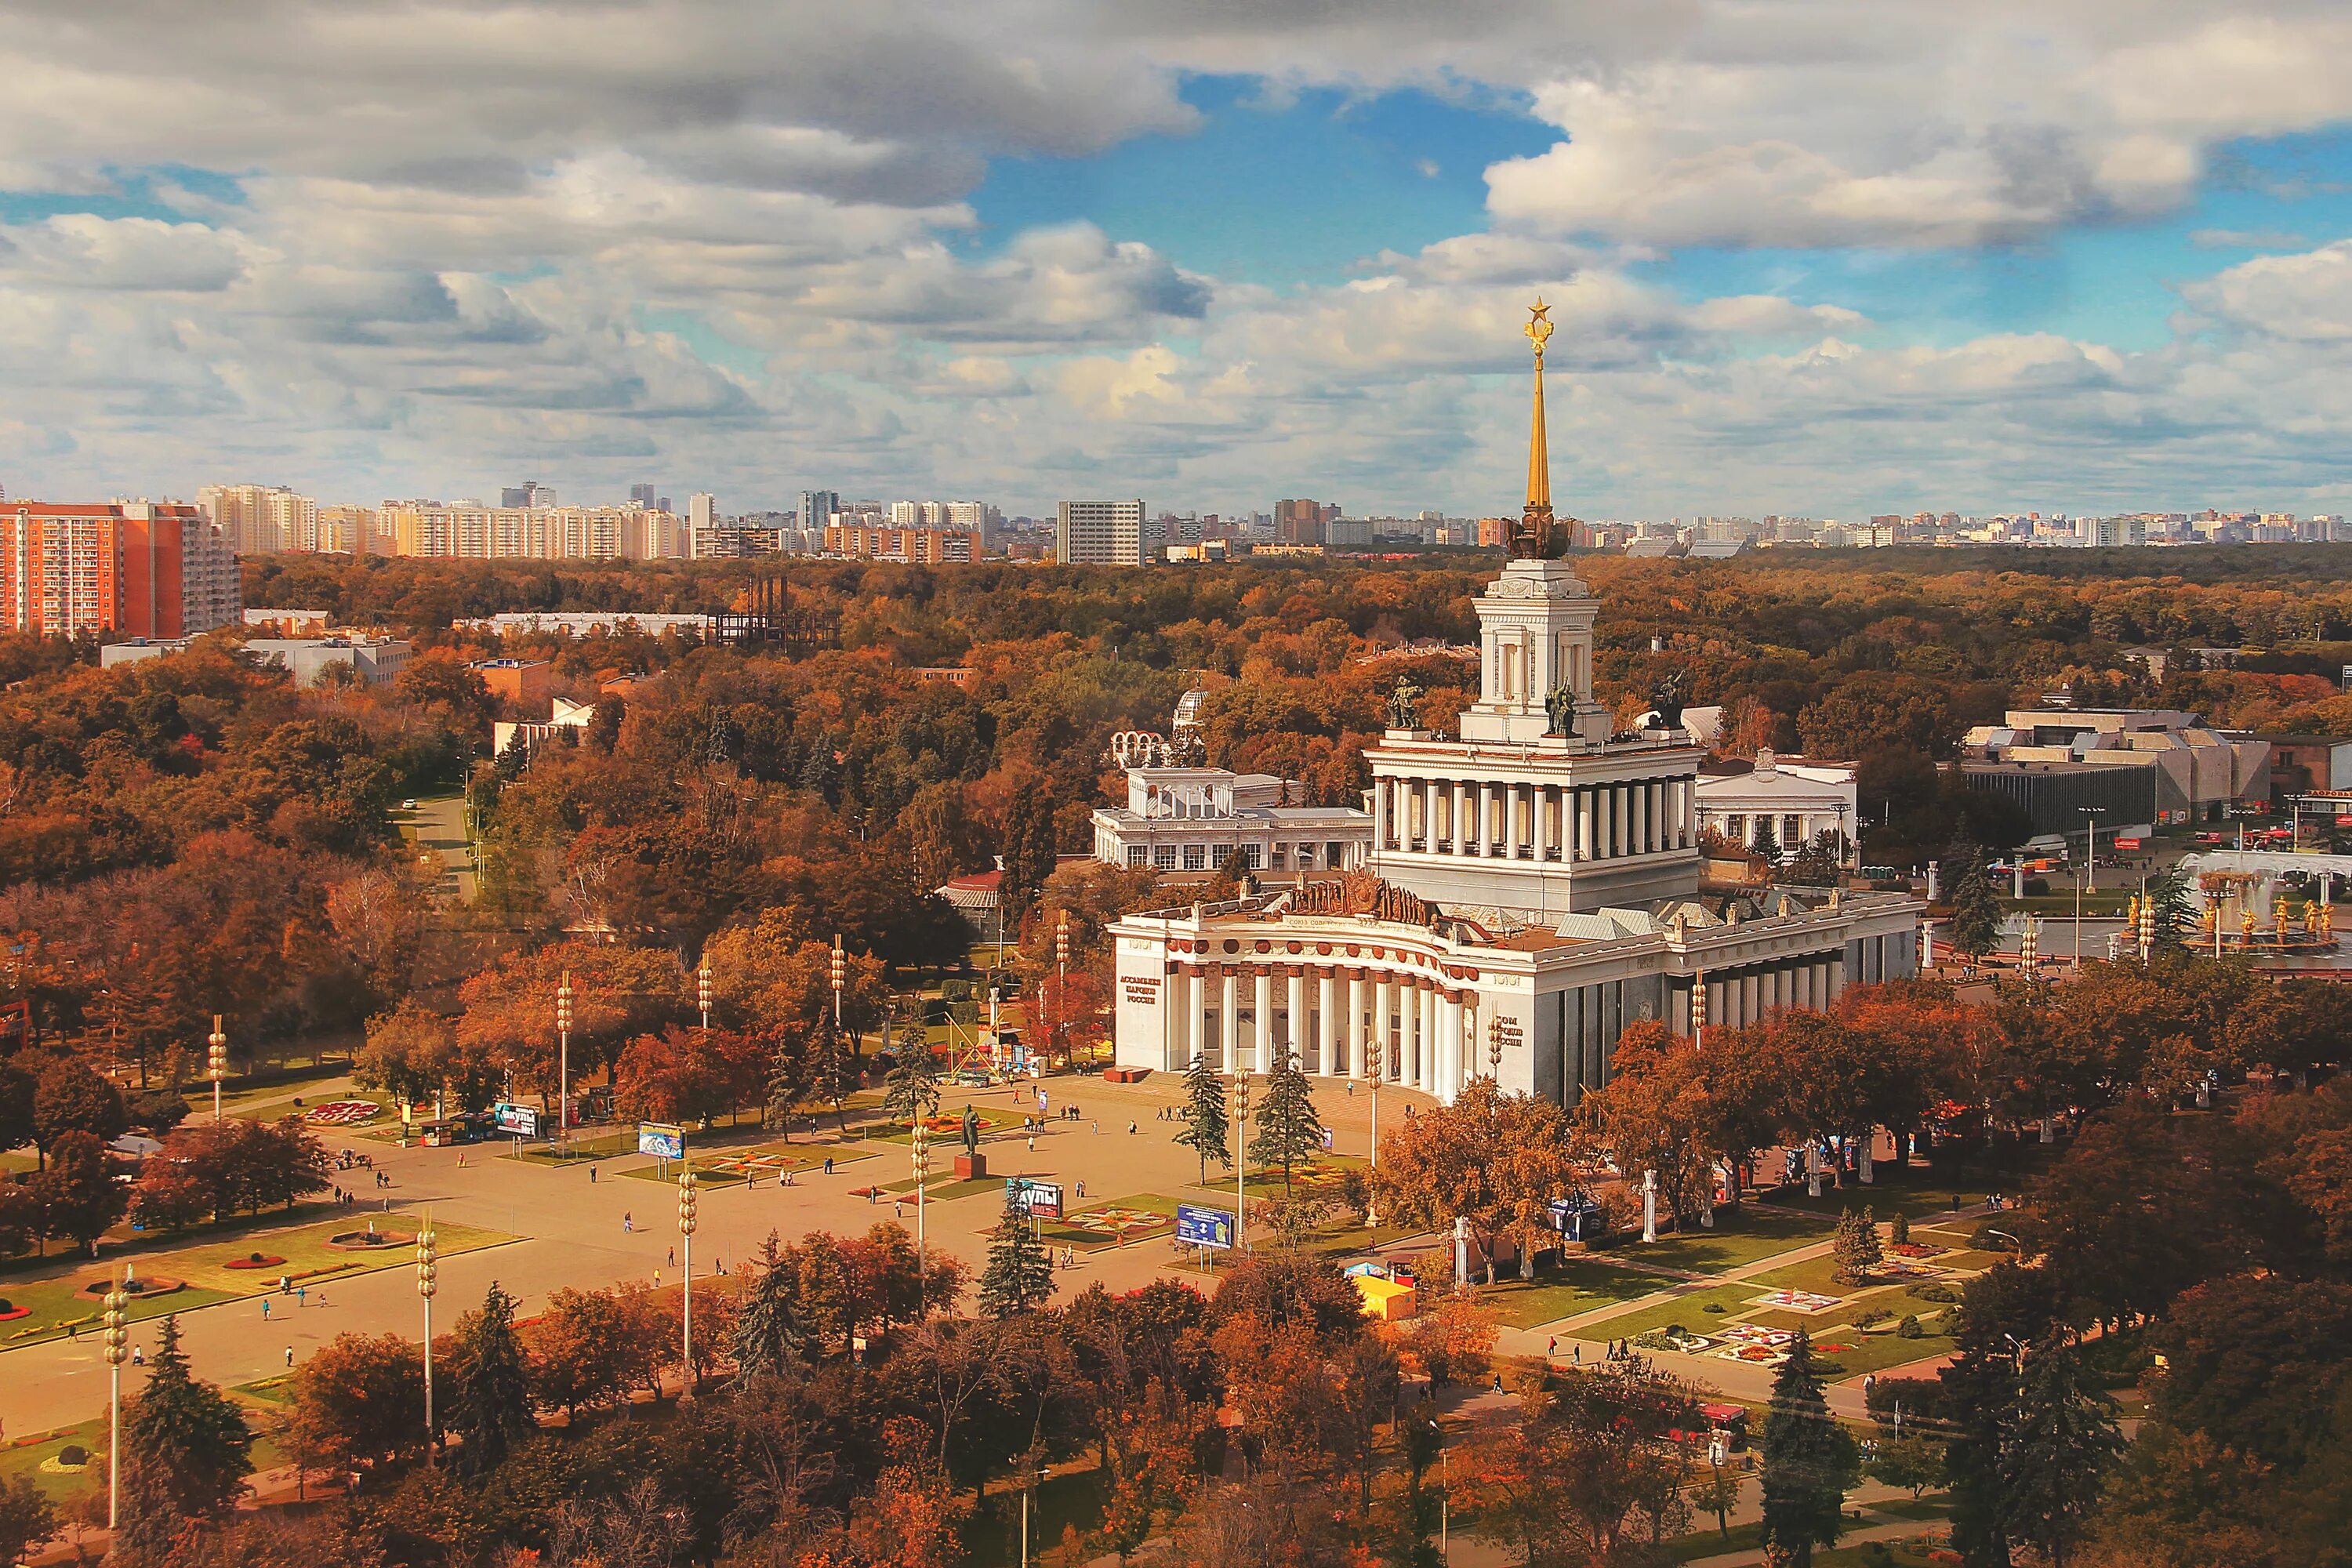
1538 331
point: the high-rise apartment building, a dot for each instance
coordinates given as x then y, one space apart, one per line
1102 532
701 510
476 532
817 508
1298 522
642 495
142 568
261 520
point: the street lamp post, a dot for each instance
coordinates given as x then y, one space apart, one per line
2090 873
1699 1011
1241 1163
685 1222
702 991
1062 981
922 1157
428 1277
117 1300
1495 1051
216 1062
563 1061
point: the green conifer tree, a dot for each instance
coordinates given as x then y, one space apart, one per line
1809 1463
1019 1273
911 1089
1767 842
489 1407
1976 905
2059 1441
1287 1130
186 1450
1206 1130
1854 1250
771 1332
787 1085
1898 1229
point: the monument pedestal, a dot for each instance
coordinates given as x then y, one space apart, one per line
972 1167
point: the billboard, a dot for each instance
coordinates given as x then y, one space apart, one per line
1202 1227
515 1120
1041 1199
661 1140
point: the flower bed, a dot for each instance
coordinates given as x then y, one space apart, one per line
370 1240
342 1113
255 1260
136 1289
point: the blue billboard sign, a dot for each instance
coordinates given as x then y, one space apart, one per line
1202 1227
661 1140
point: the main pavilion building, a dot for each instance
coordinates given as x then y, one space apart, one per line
1533 886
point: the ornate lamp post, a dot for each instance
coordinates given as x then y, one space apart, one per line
1241 1164
117 1352
1494 1049
685 1222
1699 1011
216 1062
1062 981
702 991
429 1284
922 1157
563 1060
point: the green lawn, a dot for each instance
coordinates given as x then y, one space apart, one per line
1076 1232
57 1306
1733 1242
1689 1311
587 1146
1578 1285
1710 1542
940 1192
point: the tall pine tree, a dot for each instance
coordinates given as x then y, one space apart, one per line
787 1084
186 1451
771 1334
1854 1250
489 1405
1809 1462
833 1066
2058 1442
1206 1130
1019 1273
911 1089
1288 1132
1976 905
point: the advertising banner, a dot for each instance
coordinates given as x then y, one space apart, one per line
661 1140
515 1120
1203 1226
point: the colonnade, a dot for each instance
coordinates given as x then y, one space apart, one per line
1515 821
1334 1017
1742 995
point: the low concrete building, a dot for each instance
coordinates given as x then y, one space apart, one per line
373 661
563 714
2199 773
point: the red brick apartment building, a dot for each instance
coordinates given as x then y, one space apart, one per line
137 568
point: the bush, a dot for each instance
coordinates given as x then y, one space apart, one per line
1898 1229
1714 1307
1936 1291
2037 887
73 1454
955 991
1875 1315
1908 1329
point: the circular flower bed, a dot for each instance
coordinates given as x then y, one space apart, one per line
255 1260
139 1289
10 1311
371 1240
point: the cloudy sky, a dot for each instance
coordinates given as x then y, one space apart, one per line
1829 256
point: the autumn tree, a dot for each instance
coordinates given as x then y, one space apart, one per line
357 1403
1855 1248
78 1196
1656 1113
1499 1160
413 1053
617 993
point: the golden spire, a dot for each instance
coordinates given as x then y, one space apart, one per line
1538 331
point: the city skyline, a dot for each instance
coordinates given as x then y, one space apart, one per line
1809 263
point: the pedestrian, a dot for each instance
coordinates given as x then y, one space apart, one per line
828 1164
322 1298
138 1355
628 1222
1033 1143
591 1173
301 1297
1576 1353
870 1192
673 1257
290 1355
265 1308
1351 1088
1098 1127
1131 1127
1552 1351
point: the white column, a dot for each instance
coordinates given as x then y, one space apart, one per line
1511 821
1263 1011
1583 832
1326 1060
1358 1005
1486 812
1185 1018
1620 825
1380 814
1294 1025
1229 1020
1637 825
1454 837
